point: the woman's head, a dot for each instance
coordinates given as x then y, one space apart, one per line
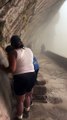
9 49
16 42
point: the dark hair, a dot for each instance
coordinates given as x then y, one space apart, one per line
16 42
9 49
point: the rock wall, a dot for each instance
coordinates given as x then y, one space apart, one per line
15 15
5 97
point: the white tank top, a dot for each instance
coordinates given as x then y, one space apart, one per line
24 61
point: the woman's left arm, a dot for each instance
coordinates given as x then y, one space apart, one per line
12 61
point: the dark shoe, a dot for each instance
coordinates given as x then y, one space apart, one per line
25 114
18 118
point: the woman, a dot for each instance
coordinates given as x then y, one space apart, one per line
23 74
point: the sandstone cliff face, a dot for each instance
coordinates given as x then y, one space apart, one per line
15 15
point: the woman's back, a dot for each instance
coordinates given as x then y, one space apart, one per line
24 61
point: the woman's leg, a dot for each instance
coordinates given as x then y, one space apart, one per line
28 97
20 106
36 72
27 102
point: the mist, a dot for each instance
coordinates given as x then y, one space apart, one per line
49 32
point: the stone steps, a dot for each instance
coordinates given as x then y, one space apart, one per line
39 92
